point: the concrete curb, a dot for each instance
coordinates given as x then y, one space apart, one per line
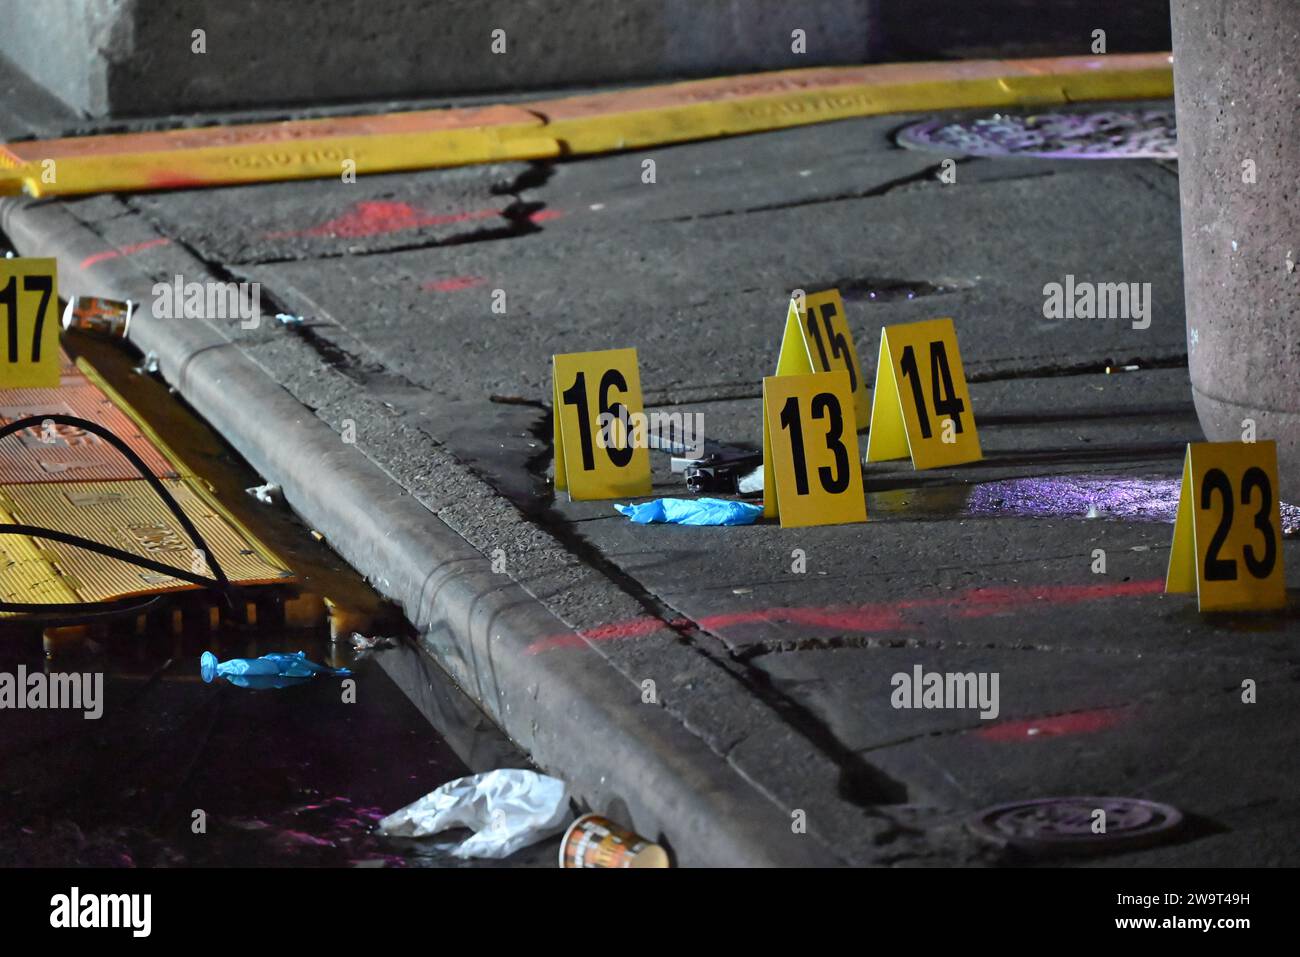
575 714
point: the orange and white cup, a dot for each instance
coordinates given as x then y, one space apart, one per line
106 316
595 841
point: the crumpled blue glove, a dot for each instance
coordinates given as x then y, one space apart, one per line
693 511
276 670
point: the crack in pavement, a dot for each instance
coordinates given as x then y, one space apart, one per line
930 173
778 646
519 220
1089 367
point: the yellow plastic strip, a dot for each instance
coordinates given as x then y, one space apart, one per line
625 119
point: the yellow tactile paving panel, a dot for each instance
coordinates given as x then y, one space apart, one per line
126 515
80 484
27 574
623 119
63 453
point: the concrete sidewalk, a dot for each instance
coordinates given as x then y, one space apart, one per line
772 687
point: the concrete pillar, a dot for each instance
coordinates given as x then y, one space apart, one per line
1238 102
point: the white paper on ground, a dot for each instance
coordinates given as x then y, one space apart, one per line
509 808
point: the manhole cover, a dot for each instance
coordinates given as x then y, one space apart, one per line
1065 825
1109 134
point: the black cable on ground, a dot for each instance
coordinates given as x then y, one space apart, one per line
217 581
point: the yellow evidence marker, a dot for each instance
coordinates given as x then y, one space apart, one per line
812 472
1227 544
931 420
817 339
29 324
599 451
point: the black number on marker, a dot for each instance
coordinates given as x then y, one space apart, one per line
1225 569
1218 569
9 298
790 422
576 396
945 399
824 406
614 379
839 346
1256 477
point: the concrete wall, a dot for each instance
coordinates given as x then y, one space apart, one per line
125 57
135 57
57 43
943 29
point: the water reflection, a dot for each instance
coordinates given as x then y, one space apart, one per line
182 773
1127 498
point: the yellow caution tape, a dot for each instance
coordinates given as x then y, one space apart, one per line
333 157
599 123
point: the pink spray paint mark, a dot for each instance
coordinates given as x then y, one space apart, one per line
982 602
867 619
170 180
379 217
454 284
1055 726
131 250
544 215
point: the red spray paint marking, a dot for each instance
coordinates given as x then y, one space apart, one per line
544 215
1081 722
866 619
122 251
632 628
454 284
165 180
378 218
981 602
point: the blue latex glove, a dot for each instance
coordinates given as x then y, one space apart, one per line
276 670
693 511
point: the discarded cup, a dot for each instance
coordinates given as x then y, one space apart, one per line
595 841
109 317
275 670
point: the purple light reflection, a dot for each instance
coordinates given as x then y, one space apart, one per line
1150 499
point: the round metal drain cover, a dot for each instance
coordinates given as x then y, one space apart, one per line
1065 825
1108 134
